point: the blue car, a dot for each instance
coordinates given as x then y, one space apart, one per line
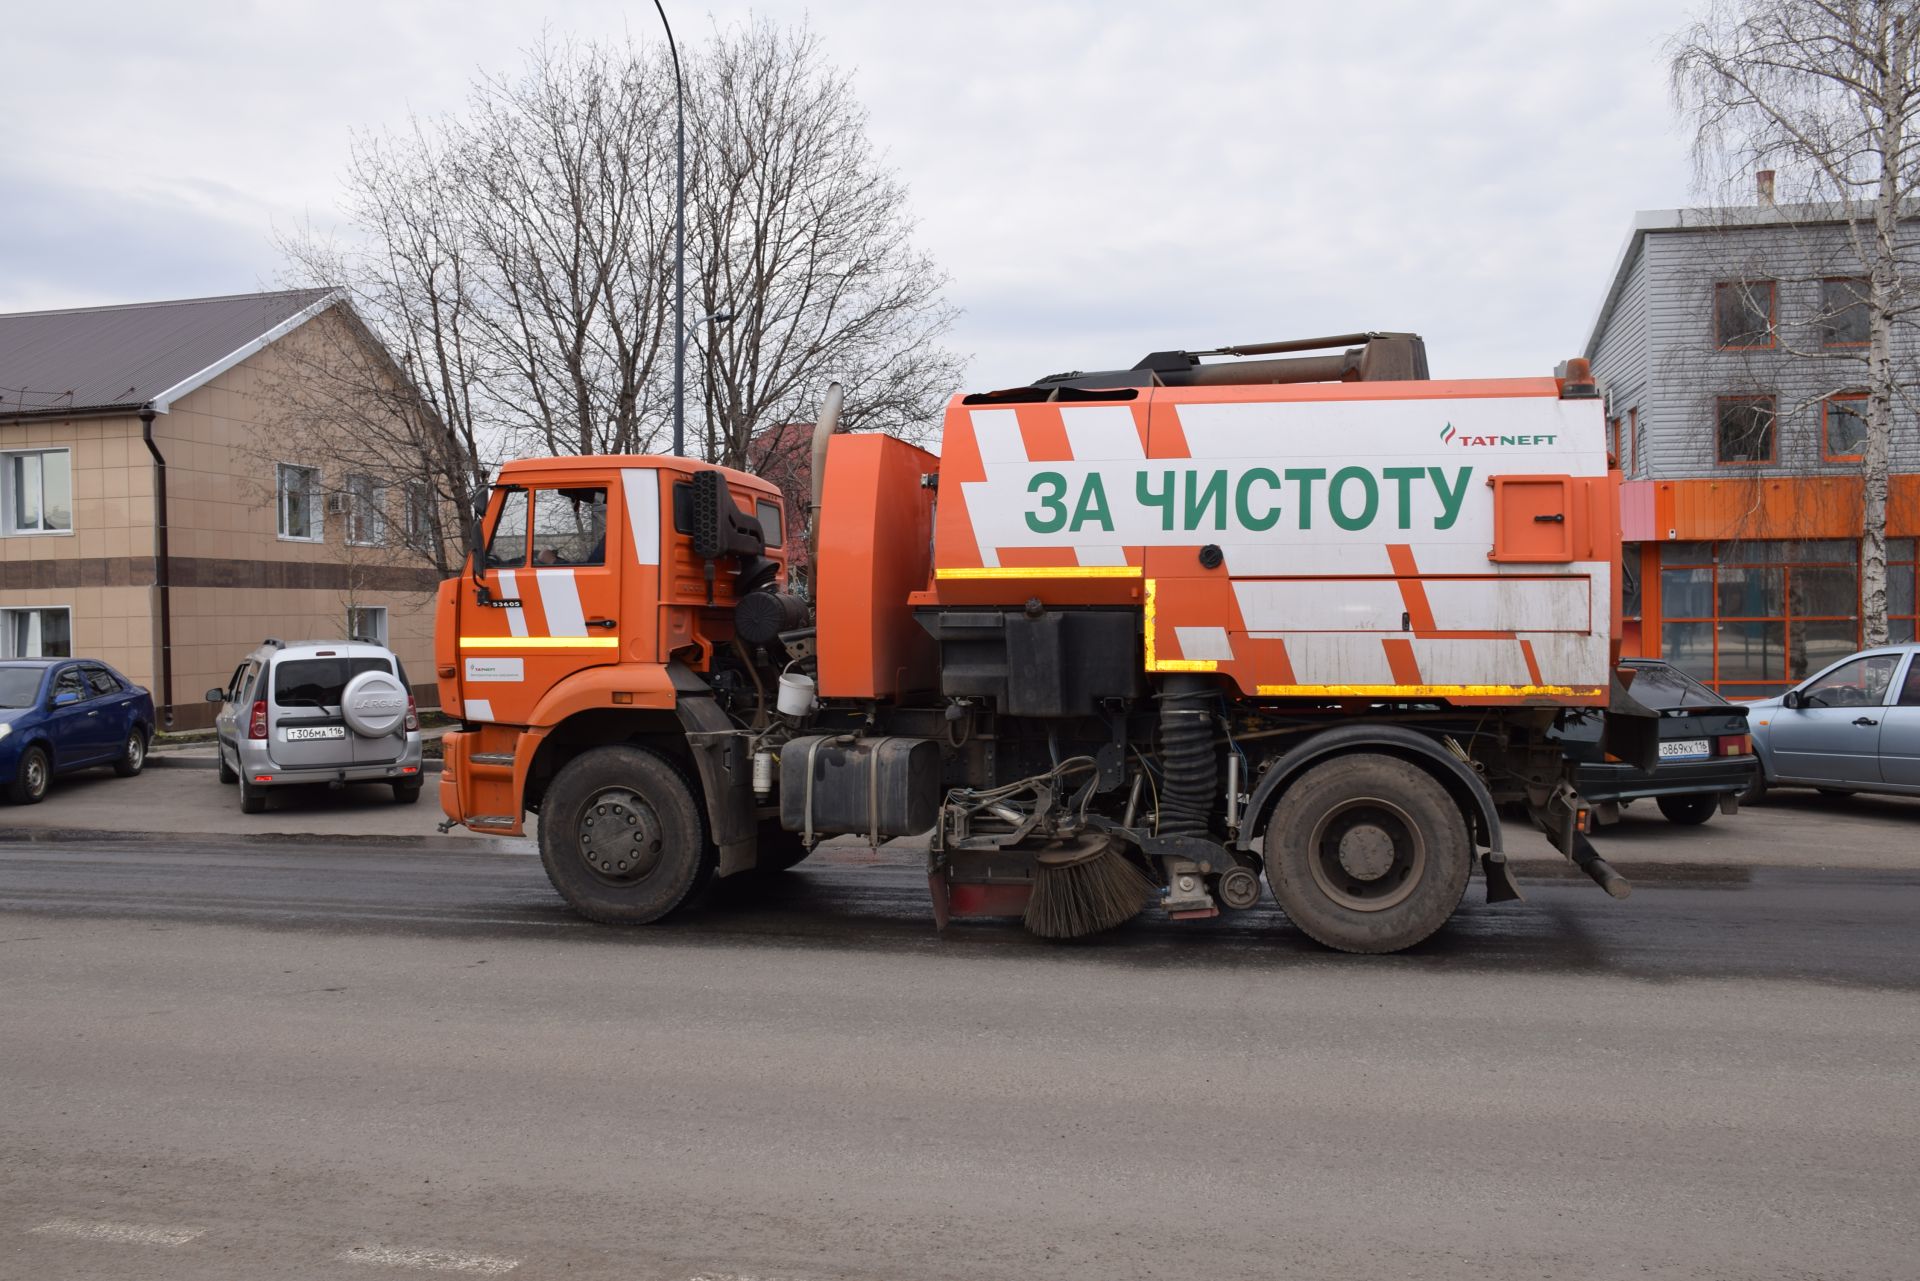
62 714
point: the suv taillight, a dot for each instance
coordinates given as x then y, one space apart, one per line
413 716
257 722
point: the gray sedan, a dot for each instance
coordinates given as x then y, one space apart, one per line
1854 727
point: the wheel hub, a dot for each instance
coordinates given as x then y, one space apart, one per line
1367 854
620 837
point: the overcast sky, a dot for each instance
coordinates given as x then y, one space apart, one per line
1099 179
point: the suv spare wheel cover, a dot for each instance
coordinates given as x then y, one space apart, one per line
374 704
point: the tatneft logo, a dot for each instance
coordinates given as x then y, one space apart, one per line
1451 435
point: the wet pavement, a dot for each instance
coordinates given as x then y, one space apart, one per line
329 1056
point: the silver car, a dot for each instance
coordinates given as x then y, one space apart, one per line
1854 727
317 712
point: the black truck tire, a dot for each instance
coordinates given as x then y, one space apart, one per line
1688 811
1367 853
623 837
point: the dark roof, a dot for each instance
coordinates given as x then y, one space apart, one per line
93 360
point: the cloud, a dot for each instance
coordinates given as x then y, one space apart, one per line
1099 179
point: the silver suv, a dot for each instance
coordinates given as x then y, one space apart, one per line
317 712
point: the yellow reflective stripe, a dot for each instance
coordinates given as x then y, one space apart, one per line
539 642
1427 691
1158 664
1042 571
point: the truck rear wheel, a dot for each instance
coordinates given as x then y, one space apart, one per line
1367 853
623 837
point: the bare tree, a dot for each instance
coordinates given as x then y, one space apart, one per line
803 236
517 260
1825 92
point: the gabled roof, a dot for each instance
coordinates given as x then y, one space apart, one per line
96 360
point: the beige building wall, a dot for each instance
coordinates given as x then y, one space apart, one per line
102 571
236 580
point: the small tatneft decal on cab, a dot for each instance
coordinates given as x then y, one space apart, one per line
496 669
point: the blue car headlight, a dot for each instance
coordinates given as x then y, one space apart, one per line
6 728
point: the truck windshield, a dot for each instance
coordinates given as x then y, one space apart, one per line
319 682
18 685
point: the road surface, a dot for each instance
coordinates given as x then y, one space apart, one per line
328 1057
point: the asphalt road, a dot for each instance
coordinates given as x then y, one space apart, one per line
327 1057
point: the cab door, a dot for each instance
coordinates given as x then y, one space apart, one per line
548 604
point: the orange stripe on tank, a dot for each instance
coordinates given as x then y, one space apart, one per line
1400 662
1044 434
1533 663
1413 592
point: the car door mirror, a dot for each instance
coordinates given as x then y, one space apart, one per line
216 696
65 698
1794 699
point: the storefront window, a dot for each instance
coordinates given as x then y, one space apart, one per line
1749 618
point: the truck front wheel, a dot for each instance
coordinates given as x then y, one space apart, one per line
1367 853
622 836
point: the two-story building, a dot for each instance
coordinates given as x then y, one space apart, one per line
1731 346
158 511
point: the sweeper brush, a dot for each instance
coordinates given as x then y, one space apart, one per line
1084 887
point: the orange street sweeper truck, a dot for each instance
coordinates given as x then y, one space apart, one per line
1146 638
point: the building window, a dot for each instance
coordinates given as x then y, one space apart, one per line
36 492
1903 620
367 623
1744 429
1743 314
1752 618
1843 427
417 515
36 633
299 502
1633 441
366 512
1843 312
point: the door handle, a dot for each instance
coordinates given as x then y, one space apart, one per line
607 623
1557 518
1865 720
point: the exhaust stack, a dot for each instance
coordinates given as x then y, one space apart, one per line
828 424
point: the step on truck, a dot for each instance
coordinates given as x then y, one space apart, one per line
1144 638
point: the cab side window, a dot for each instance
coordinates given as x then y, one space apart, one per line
507 549
570 526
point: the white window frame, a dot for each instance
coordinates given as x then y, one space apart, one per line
8 516
6 628
380 636
366 495
319 504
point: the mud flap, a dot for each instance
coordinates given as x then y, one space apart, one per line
1500 885
726 775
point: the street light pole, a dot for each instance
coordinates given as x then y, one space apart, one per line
679 248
